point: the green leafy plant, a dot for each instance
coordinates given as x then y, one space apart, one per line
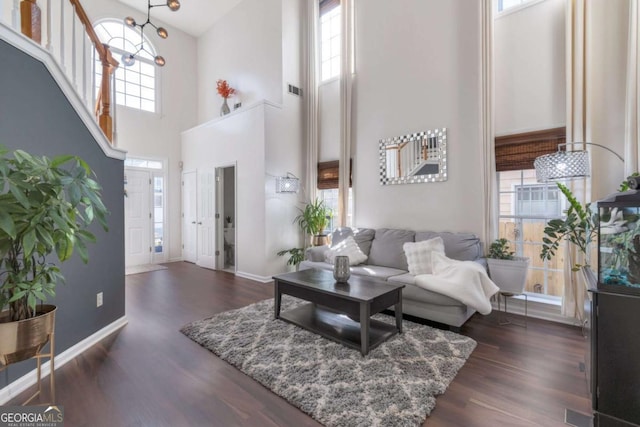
499 249
579 228
624 185
313 218
296 256
46 206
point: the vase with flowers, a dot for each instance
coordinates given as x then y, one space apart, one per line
225 91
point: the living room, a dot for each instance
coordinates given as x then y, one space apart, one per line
418 66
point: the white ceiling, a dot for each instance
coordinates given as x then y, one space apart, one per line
194 16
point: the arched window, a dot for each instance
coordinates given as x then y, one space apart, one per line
135 85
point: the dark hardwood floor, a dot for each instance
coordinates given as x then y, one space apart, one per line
149 374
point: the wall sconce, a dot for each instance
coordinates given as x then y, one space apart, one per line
287 184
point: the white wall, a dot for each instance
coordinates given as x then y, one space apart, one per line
285 148
236 139
418 67
529 54
263 217
157 135
244 48
607 45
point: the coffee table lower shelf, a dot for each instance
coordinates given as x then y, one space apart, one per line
337 326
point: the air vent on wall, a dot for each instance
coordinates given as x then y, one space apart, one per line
295 90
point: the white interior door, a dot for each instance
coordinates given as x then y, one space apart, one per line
137 218
206 222
189 217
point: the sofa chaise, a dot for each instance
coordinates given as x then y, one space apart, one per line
386 260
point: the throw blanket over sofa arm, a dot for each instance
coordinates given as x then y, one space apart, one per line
316 253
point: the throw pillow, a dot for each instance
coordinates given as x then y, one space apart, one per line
419 254
347 247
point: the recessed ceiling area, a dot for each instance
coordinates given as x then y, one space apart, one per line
195 17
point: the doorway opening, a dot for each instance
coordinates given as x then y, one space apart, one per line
144 208
226 225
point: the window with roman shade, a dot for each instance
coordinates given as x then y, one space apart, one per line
328 174
518 151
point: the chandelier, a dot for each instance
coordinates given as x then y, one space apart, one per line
128 59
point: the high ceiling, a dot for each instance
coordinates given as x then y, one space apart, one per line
194 16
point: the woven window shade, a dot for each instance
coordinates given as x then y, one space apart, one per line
328 173
518 151
328 5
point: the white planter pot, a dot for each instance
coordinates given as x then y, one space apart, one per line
509 274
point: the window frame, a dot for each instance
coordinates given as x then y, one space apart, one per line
326 7
117 53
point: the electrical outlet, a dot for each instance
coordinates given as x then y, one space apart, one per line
99 299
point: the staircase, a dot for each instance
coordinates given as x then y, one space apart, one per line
65 36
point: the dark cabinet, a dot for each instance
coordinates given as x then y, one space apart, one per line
615 357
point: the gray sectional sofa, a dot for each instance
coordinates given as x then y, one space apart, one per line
386 261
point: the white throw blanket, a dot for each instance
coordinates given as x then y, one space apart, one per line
464 281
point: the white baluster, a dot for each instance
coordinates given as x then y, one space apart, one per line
62 2
15 15
84 64
49 44
74 52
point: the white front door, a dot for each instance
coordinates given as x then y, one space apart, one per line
206 219
189 217
137 218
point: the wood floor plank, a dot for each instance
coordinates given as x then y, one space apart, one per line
149 374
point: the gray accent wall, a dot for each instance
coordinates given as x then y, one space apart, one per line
35 116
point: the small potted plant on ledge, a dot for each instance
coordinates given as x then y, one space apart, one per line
46 206
313 220
506 270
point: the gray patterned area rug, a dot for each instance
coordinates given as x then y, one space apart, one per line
396 384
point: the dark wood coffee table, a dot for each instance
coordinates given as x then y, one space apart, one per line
340 312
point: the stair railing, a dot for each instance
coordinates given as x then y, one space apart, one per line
70 38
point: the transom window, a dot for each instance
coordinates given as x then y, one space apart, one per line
135 86
330 42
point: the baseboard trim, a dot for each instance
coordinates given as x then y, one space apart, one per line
179 259
23 383
255 277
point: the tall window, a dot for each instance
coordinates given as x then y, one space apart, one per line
527 205
525 208
328 173
329 39
135 86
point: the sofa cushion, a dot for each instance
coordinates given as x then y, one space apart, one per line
362 236
376 271
413 292
458 246
348 247
419 254
360 270
386 248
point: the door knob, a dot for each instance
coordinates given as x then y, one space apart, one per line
199 223
193 222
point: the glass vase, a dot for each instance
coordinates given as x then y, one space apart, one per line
224 110
341 270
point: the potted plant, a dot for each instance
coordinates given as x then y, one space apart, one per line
313 220
506 270
296 256
579 228
46 206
